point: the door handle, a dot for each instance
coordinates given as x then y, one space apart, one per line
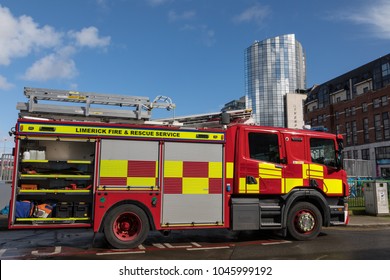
250 180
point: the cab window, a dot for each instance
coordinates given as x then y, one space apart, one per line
264 147
323 151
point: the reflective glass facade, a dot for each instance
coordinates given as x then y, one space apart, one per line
273 68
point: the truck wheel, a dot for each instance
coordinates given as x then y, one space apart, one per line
304 221
126 226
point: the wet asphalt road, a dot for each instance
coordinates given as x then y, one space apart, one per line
369 243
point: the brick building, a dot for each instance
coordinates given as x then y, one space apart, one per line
357 105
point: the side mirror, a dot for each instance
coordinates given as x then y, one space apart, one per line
339 160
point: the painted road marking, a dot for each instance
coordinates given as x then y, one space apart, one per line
120 253
208 248
57 251
276 242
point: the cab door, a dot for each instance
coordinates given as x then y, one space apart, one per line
296 171
261 169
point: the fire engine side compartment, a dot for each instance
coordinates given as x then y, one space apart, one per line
179 184
59 180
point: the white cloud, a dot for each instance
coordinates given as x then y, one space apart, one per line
256 13
4 84
59 65
89 37
376 15
187 15
20 36
208 36
102 3
155 3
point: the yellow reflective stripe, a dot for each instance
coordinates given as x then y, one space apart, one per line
130 188
35 160
253 188
313 171
229 170
215 169
333 186
195 185
173 169
28 128
51 219
40 176
113 168
292 183
79 161
248 188
242 185
269 171
140 181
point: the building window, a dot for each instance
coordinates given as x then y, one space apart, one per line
384 100
354 133
382 152
347 112
355 154
366 154
337 115
365 89
365 131
348 132
386 125
377 125
376 102
364 107
385 172
337 129
353 111
386 69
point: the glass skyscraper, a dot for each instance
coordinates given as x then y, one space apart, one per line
273 68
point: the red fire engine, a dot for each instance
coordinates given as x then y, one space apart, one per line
83 170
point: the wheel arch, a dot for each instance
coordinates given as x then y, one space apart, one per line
312 196
128 201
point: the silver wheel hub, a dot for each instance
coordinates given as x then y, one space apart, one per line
306 222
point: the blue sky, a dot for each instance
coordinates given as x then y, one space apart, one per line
189 50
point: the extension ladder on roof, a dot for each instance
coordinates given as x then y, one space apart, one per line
140 107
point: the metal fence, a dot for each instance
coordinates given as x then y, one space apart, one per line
6 167
358 167
356 191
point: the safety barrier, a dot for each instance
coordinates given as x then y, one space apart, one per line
356 190
6 167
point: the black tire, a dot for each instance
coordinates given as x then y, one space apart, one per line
126 226
304 221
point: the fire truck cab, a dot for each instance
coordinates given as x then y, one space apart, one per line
127 179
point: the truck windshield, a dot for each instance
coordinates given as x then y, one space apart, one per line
323 151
